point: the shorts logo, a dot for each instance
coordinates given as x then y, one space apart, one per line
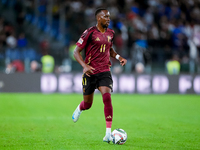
110 85
83 90
80 41
97 39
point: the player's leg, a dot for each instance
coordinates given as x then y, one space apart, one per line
108 111
87 102
104 85
84 105
89 86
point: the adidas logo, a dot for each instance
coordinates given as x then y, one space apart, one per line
97 39
108 117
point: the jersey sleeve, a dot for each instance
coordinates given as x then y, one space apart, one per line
112 38
83 39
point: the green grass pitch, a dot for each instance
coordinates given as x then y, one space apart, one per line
152 122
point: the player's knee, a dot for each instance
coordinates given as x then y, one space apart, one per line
107 98
87 105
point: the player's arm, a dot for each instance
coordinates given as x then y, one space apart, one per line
86 68
113 54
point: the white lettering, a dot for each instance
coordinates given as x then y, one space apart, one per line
160 84
185 83
126 84
196 84
78 83
48 83
115 84
143 84
65 83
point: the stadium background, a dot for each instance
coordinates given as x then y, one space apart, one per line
36 108
149 34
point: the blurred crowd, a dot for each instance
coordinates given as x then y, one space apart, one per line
147 31
15 53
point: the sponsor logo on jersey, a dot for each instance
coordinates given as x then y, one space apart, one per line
97 39
109 38
80 41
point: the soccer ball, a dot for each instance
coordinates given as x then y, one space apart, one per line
119 136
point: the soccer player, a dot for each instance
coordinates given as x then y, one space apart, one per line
97 42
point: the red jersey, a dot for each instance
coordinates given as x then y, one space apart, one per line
97 48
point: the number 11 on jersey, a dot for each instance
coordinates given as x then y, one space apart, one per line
103 47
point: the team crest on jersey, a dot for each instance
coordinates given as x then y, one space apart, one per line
97 39
109 38
80 41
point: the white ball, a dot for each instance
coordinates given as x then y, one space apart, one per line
119 136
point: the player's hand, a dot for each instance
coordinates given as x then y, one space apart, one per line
122 61
88 70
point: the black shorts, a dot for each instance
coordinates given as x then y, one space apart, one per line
95 81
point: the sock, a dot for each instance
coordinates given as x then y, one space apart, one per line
108 131
108 124
108 109
85 106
